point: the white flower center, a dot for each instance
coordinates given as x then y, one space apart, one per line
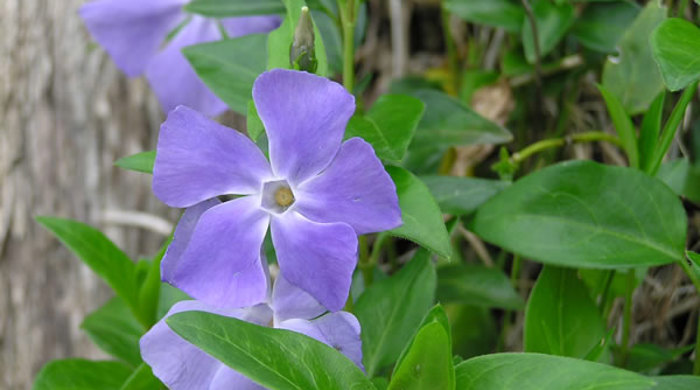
277 196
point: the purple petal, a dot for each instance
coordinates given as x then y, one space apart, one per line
228 379
289 301
238 27
173 79
339 330
305 117
198 159
318 258
222 265
181 365
132 31
182 236
354 189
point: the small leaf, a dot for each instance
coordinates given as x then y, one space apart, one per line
231 8
553 21
81 374
422 220
391 310
561 318
254 124
508 14
274 358
623 126
139 162
649 132
676 47
229 67
115 330
477 285
586 215
462 195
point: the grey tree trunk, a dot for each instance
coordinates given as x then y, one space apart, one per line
66 114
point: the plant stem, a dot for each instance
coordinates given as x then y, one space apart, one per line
590 136
627 318
452 58
364 263
347 18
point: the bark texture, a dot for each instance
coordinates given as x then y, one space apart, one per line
66 114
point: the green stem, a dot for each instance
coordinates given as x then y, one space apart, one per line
364 263
590 136
347 18
452 58
627 318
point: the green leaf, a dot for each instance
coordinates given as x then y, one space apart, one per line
676 47
475 330
427 360
561 318
477 285
100 254
139 162
142 379
391 310
80 374
677 382
422 220
508 14
623 125
649 132
530 371
601 25
389 125
229 67
644 357
587 215
115 330
230 8
553 21
462 195
168 296
254 124
274 358
280 41
633 75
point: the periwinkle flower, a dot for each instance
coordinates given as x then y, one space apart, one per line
316 194
182 366
135 34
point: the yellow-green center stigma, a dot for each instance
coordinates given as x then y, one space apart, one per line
284 197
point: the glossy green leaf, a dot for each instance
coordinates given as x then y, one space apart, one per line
530 371
139 162
561 318
623 125
142 379
389 125
553 21
280 41
275 358
427 360
100 254
676 47
632 75
115 330
587 215
81 374
391 310
601 25
229 67
422 219
231 8
477 285
508 14
462 195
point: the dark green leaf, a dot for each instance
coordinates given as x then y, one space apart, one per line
389 125
649 132
274 358
229 67
168 296
676 47
601 25
474 330
553 21
115 330
80 374
139 162
142 379
230 8
633 75
623 125
644 357
477 285
530 371
462 195
561 318
587 215
422 220
508 14
391 310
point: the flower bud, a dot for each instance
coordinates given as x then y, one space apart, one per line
302 54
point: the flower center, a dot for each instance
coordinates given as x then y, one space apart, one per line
277 196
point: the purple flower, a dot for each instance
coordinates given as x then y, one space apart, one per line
316 194
134 32
181 365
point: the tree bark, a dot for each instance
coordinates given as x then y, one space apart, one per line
66 114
